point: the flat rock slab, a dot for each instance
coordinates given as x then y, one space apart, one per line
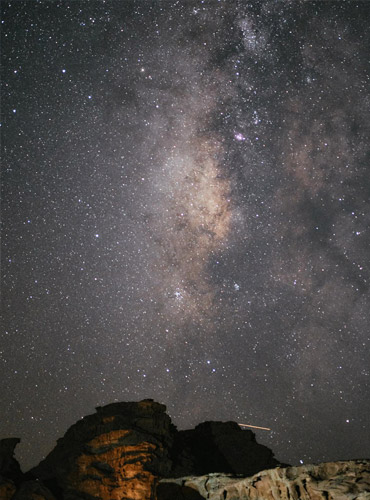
345 480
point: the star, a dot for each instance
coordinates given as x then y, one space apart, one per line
185 217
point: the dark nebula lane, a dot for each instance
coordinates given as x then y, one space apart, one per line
185 217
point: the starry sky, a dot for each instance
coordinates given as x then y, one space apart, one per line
185 217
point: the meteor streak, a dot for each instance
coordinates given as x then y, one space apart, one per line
255 427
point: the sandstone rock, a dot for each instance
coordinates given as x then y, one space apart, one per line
122 450
327 481
219 447
116 453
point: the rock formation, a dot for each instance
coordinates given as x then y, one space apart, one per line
327 481
118 452
13 483
9 467
219 447
10 472
122 451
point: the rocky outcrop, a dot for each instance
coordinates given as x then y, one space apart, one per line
219 447
10 471
122 451
13 483
327 481
118 452
124 448
9 467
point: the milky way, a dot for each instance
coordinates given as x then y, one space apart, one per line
185 205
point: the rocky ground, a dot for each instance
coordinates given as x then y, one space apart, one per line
327 481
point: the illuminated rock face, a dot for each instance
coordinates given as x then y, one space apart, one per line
118 452
122 451
327 481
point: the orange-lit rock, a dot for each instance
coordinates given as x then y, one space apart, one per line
119 452
349 480
122 450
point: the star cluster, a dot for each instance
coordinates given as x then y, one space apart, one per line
185 217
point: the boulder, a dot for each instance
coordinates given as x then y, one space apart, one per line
328 481
219 447
118 452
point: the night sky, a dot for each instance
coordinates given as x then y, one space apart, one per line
185 216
